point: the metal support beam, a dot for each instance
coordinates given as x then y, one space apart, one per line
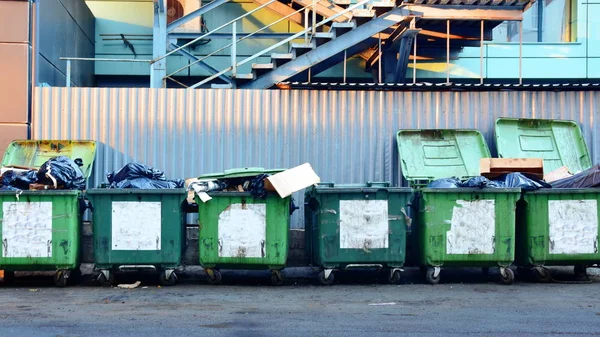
403 58
481 56
447 51
457 12
158 70
202 64
195 14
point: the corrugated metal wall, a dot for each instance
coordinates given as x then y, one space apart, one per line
348 136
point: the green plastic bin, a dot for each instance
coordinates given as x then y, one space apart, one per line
555 226
238 231
137 230
457 227
40 230
357 226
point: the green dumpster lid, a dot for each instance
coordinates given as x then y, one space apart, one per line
33 153
427 155
240 173
557 142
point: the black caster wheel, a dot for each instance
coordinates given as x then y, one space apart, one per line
580 272
276 278
326 281
60 278
430 276
395 277
167 282
542 274
508 277
106 282
216 279
9 278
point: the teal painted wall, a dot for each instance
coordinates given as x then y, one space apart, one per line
574 60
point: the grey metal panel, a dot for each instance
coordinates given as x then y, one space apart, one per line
348 136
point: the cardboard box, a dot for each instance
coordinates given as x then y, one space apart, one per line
558 174
293 180
495 167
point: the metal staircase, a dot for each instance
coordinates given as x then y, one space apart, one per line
381 32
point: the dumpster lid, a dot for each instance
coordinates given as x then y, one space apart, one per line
558 142
33 153
239 173
427 155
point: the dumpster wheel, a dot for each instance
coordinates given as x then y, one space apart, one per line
395 276
9 278
507 276
276 277
61 277
326 281
542 274
214 277
170 281
580 272
104 281
431 277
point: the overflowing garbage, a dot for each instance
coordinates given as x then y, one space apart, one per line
587 179
510 180
58 173
255 181
134 175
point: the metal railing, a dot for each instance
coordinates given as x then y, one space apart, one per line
312 29
70 59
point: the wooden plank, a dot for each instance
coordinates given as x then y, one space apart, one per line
451 12
493 167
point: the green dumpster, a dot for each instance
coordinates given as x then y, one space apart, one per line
40 230
357 226
457 227
238 231
555 226
137 230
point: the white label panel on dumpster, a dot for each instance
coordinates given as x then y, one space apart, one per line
472 228
243 230
136 225
27 229
364 224
573 226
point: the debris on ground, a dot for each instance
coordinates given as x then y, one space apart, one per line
129 286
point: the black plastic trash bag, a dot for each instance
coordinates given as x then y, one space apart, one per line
133 171
445 183
257 186
66 172
481 182
519 180
586 179
140 176
148 184
12 180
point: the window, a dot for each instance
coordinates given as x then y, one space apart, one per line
544 21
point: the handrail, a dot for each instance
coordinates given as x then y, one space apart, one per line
237 41
215 30
293 37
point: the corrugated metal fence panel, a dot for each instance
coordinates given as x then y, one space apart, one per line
348 136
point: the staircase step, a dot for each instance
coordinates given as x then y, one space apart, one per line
281 59
221 86
381 7
259 69
298 49
321 38
243 78
342 3
340 28
363 15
